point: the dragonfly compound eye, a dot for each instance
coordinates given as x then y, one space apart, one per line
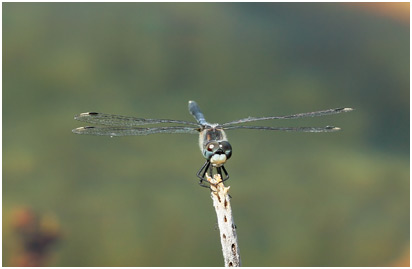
210 149
226 148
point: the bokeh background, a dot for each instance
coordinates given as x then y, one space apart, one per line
299 199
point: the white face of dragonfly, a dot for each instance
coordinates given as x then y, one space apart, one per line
217 152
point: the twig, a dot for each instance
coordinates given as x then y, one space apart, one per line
227 227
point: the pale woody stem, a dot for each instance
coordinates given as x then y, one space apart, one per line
227 227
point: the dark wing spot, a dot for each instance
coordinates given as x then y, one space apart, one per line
93 113
89 127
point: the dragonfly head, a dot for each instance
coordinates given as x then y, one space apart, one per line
217 152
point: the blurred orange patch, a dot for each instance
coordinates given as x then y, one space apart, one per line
403 260
396 11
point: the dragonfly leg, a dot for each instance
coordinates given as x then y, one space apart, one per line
202 176
203 185
219 171
227 175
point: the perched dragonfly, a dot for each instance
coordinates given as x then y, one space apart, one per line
212 137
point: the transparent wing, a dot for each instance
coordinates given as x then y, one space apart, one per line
116 120
125 131
295 116
288 129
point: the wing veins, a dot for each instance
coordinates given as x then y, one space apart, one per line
117 120
129 131
294 116
287 129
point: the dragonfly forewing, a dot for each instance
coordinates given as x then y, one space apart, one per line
129 131
287 129
117 120
295 116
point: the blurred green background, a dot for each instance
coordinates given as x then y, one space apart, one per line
299 199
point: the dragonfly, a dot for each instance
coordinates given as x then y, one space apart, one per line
213 141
